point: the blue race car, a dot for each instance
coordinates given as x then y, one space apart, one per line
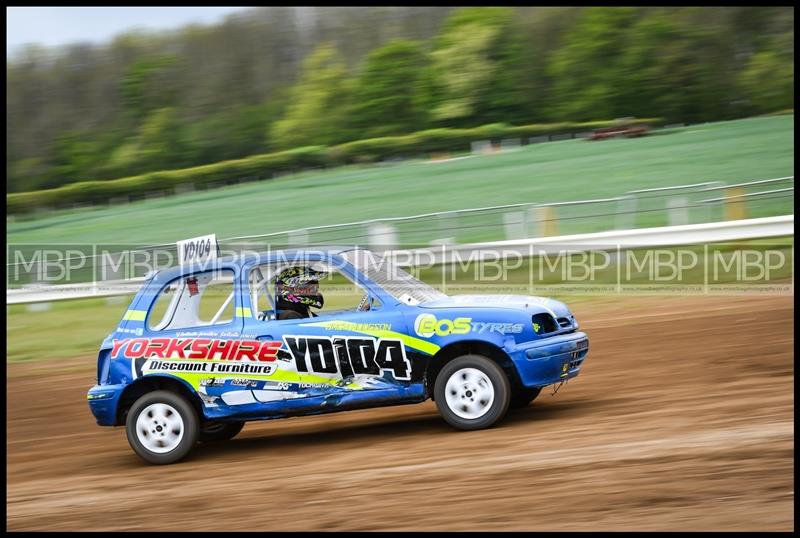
203 348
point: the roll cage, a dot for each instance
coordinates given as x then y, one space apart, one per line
249 280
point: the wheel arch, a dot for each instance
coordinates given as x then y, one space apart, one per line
466 347
149 383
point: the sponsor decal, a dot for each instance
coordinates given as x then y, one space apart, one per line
279 385
348 356
239 382
195 348
212 382
313 385
427 325
211 367
355 327
502 328
137 331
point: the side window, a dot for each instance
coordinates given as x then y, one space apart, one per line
196 300
342 294
261 289
339 293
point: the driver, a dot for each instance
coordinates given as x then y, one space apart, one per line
296 290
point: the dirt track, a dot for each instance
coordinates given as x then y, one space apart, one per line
682 419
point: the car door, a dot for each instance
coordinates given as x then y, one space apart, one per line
342 357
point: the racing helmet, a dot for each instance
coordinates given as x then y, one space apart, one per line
299 285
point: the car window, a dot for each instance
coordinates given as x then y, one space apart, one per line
391 277
338 291
194 300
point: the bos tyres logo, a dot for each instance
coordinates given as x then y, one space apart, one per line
427 325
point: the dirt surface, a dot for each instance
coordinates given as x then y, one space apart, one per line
682 419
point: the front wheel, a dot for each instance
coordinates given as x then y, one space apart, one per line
219 431
162 427
472 392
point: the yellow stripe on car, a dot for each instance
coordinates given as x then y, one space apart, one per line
135 315
409 341
279 375
243 312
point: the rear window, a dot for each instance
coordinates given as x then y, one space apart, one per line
196 300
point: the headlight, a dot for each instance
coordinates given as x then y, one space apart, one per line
543 324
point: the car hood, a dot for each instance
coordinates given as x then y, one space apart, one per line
510 302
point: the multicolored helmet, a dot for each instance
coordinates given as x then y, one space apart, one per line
299 285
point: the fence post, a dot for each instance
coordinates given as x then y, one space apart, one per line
735 203
509 144
546 221
514 223
626 213
445 231
677 210
481 147
382 237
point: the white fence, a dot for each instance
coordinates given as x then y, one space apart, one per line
622 239
697 203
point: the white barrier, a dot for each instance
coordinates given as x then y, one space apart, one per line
714 232
84 290
642 237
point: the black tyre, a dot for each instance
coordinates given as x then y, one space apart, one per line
162 427
472 392
522 396
219 431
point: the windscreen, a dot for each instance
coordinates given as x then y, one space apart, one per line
392 278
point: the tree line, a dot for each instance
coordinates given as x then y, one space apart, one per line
272 79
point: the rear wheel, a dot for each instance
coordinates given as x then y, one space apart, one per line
162 427
472 392
219 431
522 396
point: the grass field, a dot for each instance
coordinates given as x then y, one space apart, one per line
755 148
77 327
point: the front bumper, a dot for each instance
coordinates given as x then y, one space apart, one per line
103 400
550 360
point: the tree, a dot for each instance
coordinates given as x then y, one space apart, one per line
768 78
541 32
145 87
472 83
231 133
159 145
661 73
391 92
317 110
586 70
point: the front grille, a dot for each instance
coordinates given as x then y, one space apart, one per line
577 360
579 355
